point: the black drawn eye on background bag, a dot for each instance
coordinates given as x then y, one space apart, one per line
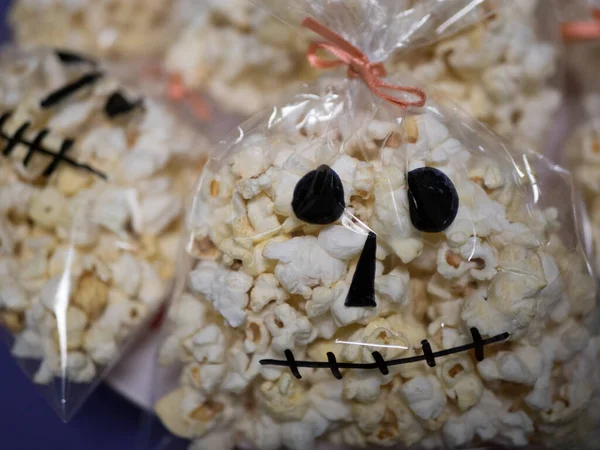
116 105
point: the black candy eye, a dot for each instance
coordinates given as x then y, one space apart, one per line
319 197
117 104
432 198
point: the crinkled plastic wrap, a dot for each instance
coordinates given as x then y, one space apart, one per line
363 274
103 28
91 195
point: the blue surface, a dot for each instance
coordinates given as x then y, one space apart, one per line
27 422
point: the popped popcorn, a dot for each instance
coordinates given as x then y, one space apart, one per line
398 277
257 59
497 70
583 157
85 260
114 28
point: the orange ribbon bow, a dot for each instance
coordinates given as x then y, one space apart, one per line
176 90
582 30
358 64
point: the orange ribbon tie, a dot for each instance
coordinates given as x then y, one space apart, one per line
582 30
358 64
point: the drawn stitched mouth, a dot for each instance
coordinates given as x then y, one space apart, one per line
380 363
35 146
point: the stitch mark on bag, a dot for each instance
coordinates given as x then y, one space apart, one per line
35 146
380 364
69 89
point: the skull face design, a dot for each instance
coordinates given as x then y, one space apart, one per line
379 275
91 195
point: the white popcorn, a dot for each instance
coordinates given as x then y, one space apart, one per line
260 214
524 365
126 274
256 44
342 315
208 344
489 420
391 221
341 242
460 381
284 399
80 367
266 289
49 209
12 295
226 290
117 29
288 328
495 65
424 396
303 264
100 343
189 414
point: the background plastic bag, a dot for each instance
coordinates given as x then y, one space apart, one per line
502 71
103 28
581 31
92 187
240 55
364 274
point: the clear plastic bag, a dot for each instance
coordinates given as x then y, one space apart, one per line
365 274
240 55
102 28
502 71
581 30
93 180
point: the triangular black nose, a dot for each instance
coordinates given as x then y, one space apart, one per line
319 197
362 288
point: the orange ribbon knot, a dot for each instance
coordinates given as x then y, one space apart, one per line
584 29
358 64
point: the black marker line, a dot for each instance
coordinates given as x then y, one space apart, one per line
294 365
68 57
291 363
69 89
381 364
477 340
428 353
335 370
35 146
15 139
37 141
64 148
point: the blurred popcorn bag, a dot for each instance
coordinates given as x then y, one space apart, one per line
240 54
92 187
103 28
370 266
581 31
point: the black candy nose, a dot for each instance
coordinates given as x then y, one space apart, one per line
319 196
433 200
